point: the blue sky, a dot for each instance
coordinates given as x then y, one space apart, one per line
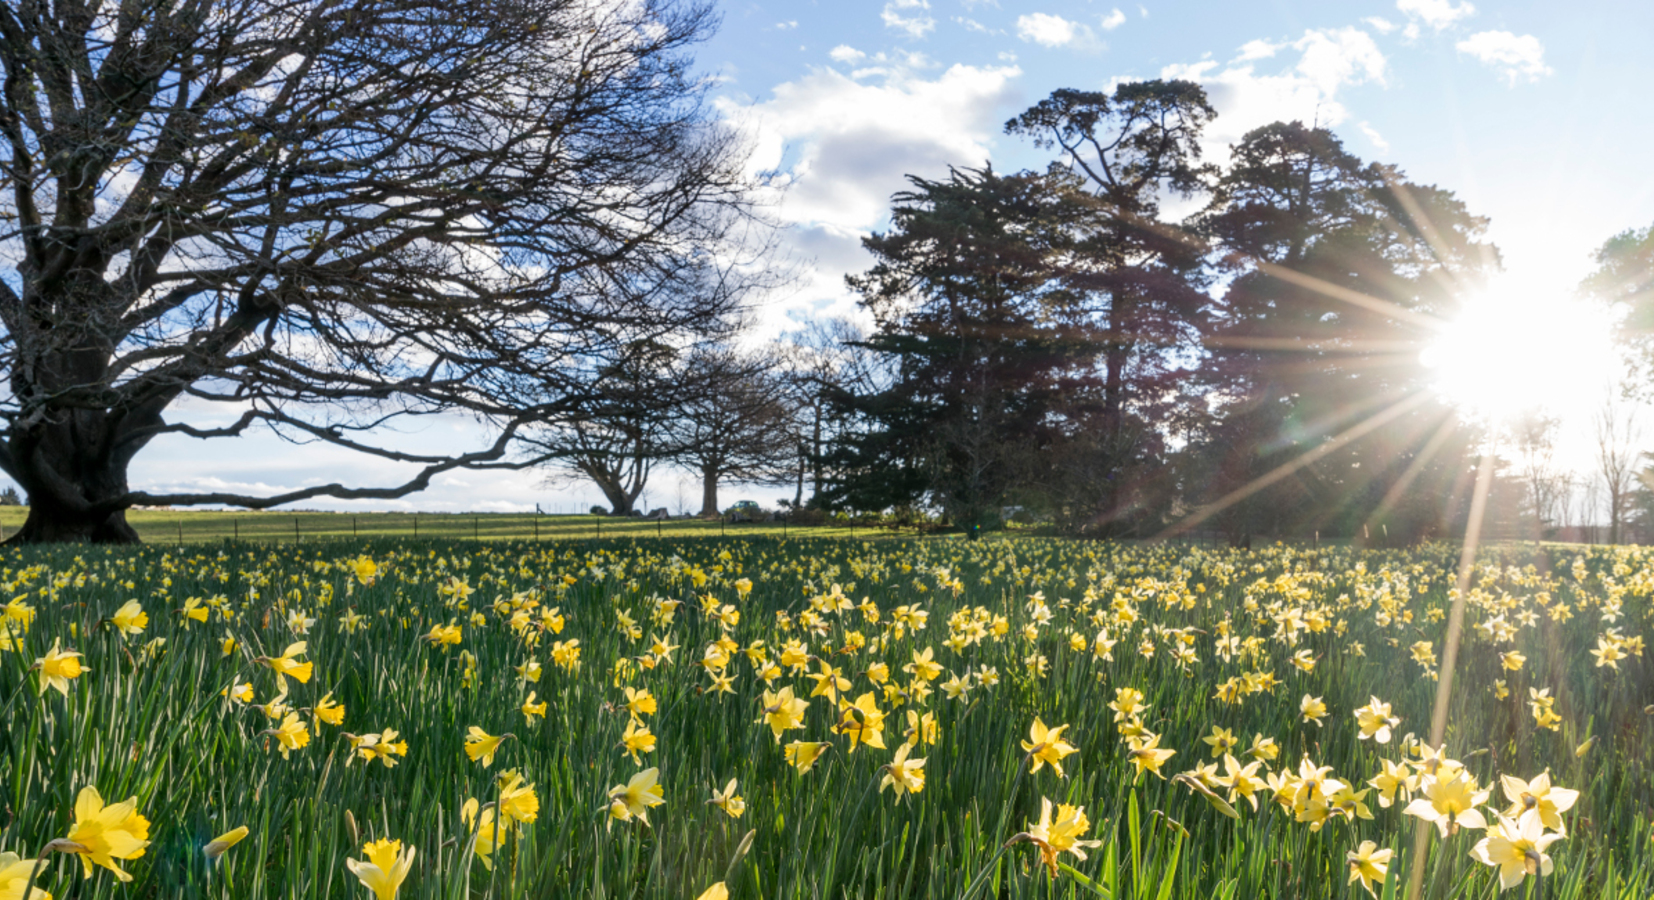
1534 113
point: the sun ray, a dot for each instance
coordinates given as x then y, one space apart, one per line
1279 472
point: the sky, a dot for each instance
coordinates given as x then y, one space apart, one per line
1533 113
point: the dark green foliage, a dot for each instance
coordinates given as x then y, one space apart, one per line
1337 270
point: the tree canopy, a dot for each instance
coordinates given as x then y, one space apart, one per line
330 216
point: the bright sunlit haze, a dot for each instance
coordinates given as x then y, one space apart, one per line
1513 350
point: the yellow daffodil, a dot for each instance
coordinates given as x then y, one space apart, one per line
802 755
1148 757
15 876
518 801
1062 834
480 821
1369 865
640 703
1242 781
728 801
481 746
530 709
219 845
292 734
1449 803
1538 794
130 619
329 710
922 730
1046 746
633 799
445 636
385 869
1221 740
1263 748
905 776
1127 704
1516 848
382 746
862 722
1375 721
1313 709
102 834
637 738
365 569
1396 777
285 666
59 667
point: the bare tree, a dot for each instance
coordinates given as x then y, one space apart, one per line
1546 481
735 424
329 215
824 358
617 436
1619 438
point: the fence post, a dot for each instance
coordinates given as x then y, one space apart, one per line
296 538
536 526
235 526
180 524
475 535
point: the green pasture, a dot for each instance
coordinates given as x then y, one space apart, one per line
173 526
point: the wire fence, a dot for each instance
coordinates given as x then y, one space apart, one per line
162 526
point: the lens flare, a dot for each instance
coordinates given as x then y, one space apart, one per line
1512 351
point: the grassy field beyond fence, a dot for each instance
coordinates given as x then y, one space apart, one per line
197 526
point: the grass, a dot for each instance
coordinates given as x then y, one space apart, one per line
148 720
173 526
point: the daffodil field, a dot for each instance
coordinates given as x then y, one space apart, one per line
820 718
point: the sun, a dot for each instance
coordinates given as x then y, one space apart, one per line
1512 351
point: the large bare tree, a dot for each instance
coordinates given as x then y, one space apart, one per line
1619 440
328 215
735 424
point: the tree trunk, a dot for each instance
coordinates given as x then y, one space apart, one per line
815 457
709 492
620 502
74 472
798 492
1115 358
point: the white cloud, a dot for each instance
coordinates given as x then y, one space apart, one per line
843 144
916 25
1114 19
1438 14
1254 89
1380 25
785 26
1047 30
1517 57
846 54
973 25
1375 138
1342 56
1258 49
1052 30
